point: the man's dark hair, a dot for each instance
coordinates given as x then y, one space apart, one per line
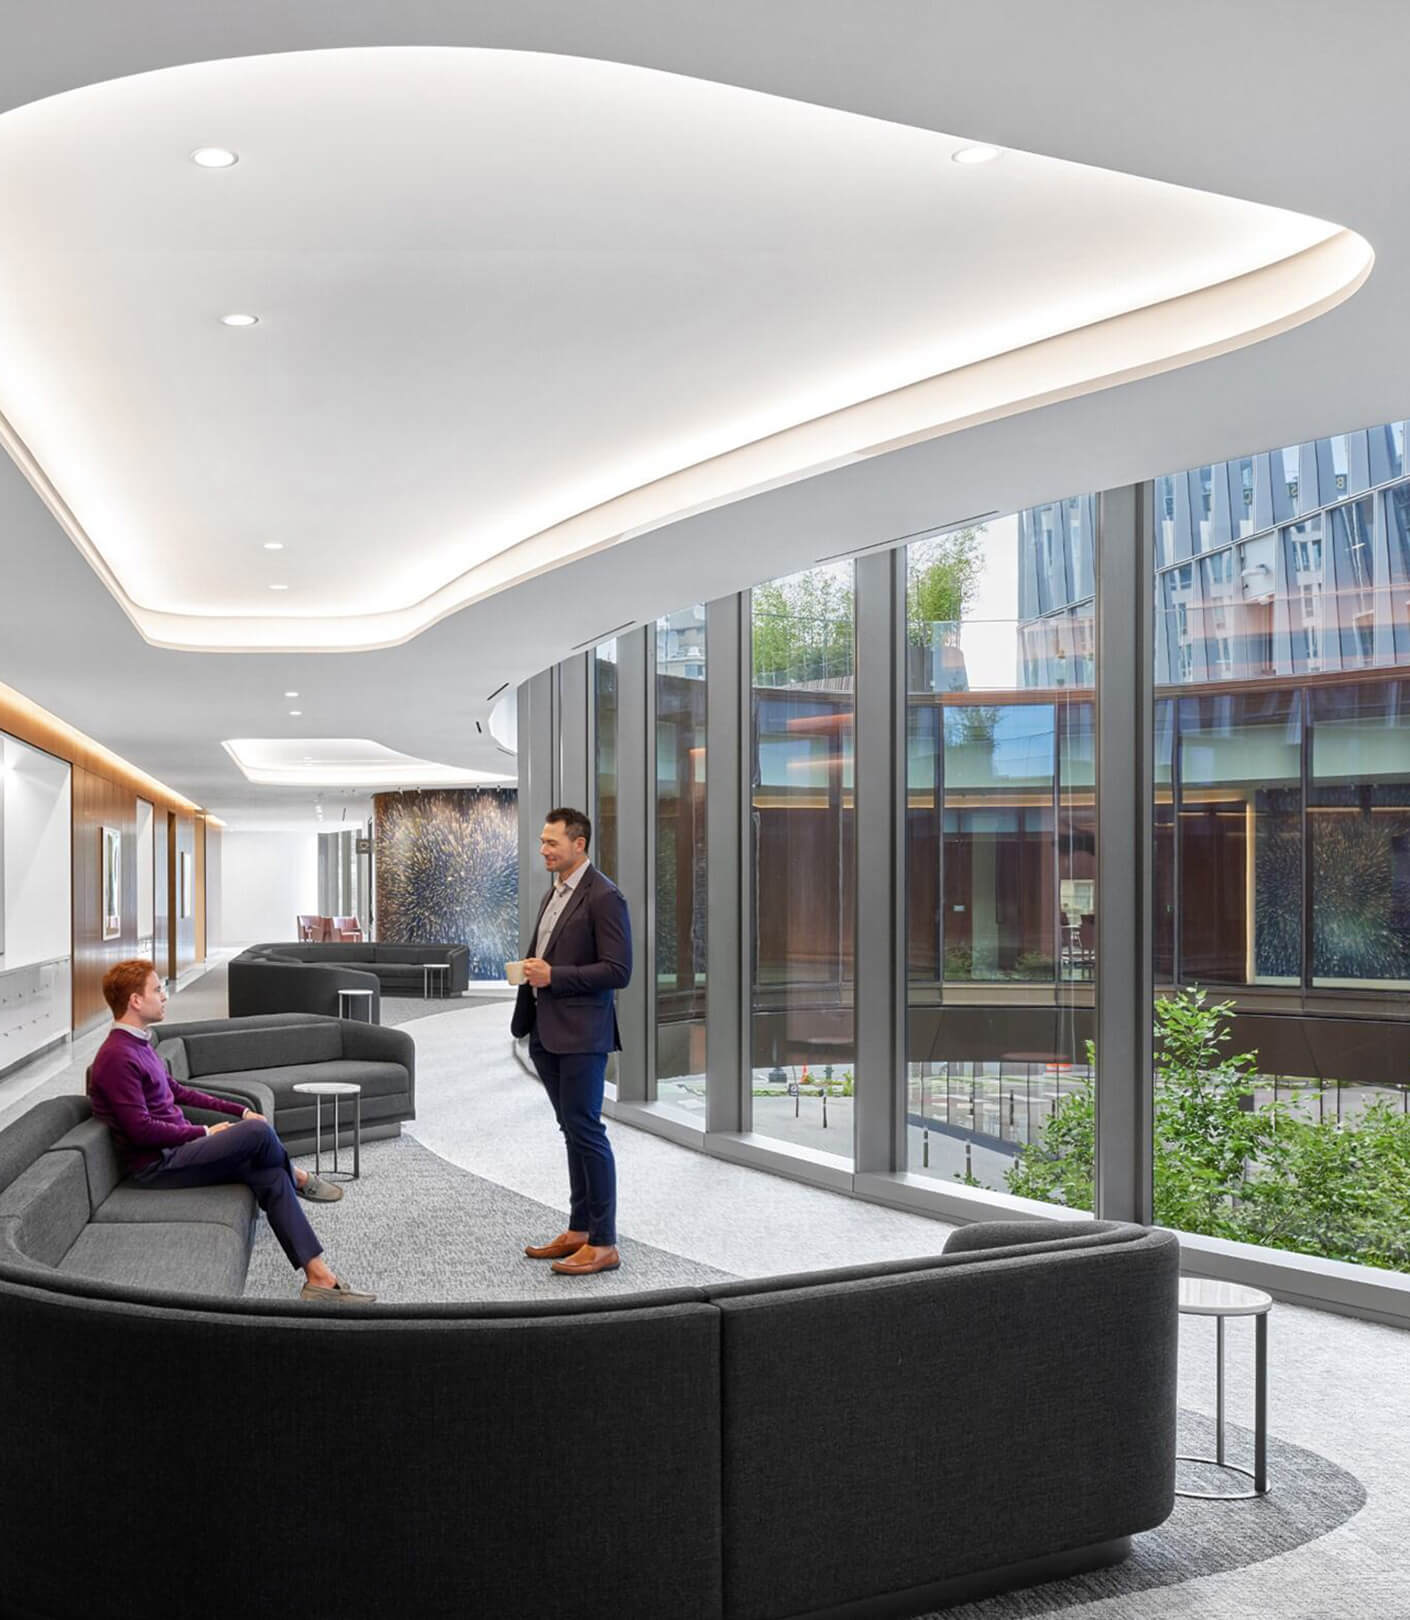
575 821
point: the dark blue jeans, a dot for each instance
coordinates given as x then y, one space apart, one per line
252 1153
573 1081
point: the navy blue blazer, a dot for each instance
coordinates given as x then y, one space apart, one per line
590 952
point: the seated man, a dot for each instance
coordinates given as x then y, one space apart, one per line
135 1097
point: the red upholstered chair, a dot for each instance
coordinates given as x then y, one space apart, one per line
313 930
347 928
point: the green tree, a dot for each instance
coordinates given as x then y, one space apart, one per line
803 626
942 576
1231 1170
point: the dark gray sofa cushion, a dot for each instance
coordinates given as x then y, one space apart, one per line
36 1129
1068 1354
225 1052
49 1205
230 1204
194 1257
379 1081
173 1054
94 1141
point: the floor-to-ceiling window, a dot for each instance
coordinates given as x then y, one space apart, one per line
1000 841
680 860
803 859
604 809
1282 1047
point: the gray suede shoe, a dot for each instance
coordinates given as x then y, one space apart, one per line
339 1293
318 1191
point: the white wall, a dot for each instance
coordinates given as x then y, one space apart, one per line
38 886
267 879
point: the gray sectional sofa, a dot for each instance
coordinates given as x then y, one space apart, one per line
874 1441
260 1060
307 978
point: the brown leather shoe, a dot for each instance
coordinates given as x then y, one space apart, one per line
587 1260
556 1248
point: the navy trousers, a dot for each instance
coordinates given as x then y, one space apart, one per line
573 1081
252 1153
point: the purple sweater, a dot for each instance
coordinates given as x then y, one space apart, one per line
136 1098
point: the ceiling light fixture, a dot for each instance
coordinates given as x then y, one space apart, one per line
295 713
975 154
214 157
239 320
279 587
291 694
274 545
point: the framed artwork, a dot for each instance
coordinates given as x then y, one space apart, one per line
112 883
184 897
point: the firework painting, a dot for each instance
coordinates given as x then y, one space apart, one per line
448 872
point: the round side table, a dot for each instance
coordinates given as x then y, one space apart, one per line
318 1090
1201 1296
350 1000
440 971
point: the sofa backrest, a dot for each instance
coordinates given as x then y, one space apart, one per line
35 1131
234 1051
1068 1345
46 1206
94 1143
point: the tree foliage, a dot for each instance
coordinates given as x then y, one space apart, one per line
803 624
1232 1170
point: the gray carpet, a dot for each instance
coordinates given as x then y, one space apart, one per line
1309 1497
417 1228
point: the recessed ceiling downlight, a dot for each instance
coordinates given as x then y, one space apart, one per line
214 157
274 545
279 587
239 320
975 154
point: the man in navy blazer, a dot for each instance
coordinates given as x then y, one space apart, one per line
582 953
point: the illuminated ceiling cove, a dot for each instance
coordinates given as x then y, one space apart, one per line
512 307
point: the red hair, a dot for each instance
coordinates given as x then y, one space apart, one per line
125 980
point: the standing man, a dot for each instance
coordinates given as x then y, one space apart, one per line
582 953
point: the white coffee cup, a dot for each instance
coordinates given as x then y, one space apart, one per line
514 972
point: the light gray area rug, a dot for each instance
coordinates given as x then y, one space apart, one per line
417 1228
1309 1497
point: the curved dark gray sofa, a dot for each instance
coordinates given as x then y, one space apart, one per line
307 978
876 1440
259 1061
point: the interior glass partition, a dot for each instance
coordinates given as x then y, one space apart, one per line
680 943
1000 846
803 859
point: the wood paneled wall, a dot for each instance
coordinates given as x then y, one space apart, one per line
105 794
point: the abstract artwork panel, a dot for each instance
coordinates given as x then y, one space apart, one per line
447 865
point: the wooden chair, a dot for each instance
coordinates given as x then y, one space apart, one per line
313 930
348 929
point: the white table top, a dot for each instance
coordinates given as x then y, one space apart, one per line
329 1088
357 992
1203 1296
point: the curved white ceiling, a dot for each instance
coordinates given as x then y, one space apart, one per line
345 762
514 307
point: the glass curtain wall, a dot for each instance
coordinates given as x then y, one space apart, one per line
803 858
1000 844
1282 826
604 709
680 860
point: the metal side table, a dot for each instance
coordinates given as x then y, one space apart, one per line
1200 1296
441 971
318 1090
350 1000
